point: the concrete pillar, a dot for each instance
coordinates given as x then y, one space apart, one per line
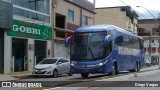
30 55
7 53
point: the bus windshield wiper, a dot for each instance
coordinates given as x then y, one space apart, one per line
91 52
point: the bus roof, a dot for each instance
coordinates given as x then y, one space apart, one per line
94 28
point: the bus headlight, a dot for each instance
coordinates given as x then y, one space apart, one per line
102 63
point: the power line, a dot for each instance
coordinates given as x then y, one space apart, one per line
134 10
124 2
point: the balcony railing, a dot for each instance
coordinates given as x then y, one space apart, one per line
31 14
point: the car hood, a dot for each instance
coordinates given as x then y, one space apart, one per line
41 66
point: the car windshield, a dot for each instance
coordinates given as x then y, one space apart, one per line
48 61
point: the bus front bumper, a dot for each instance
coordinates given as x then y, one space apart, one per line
95 70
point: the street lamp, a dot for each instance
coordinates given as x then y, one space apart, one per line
148 12
158 28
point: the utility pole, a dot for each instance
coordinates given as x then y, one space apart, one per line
159 40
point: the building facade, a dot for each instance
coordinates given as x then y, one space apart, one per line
38 29
68 15
30 38
123 17
149 30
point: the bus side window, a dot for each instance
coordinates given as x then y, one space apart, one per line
119 39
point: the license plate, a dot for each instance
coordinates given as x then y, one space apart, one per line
39 71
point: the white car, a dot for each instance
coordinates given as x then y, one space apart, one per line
52 66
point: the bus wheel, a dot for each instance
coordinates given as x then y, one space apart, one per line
137 67
84 75
113 70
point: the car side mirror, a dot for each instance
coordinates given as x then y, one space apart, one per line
59 63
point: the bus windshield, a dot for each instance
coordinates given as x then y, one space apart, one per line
88 46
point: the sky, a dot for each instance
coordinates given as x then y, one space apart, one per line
153 6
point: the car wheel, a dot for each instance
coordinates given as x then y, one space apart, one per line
35 76
55 73
84 75
70 73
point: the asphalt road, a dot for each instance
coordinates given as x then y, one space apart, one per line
75 77
140 83
145 82
91 79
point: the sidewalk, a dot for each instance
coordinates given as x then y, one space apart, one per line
25 75
15 76
149 68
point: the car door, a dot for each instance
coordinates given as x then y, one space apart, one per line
66 65
60 66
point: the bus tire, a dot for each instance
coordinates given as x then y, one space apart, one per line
84 75
114 70
136 69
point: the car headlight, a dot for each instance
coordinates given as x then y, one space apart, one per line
48 67
73 63
34 68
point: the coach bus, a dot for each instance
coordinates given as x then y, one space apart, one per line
105 49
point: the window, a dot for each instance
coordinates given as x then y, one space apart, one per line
65 60
119 39
85 20
42 6
70 15
60 34
60 60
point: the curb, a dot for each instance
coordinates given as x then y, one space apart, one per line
23 76
132 75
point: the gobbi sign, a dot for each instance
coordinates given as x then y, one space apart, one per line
30 30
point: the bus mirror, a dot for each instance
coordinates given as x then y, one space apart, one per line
106 39
67 41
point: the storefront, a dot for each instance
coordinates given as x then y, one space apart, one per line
28 44
6 16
